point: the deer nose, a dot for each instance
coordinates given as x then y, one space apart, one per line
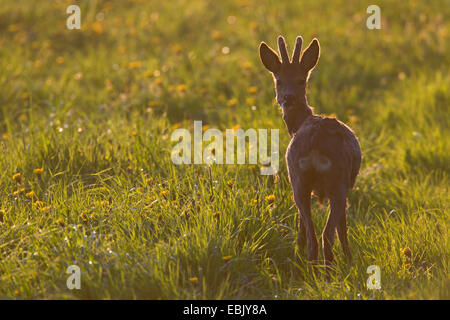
289 98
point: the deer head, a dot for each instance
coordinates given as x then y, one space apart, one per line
291 78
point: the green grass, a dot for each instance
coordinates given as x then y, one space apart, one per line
95 109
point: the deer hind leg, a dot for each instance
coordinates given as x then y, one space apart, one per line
342 235
302 199
301 236
337 212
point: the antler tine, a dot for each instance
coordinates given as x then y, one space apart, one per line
297 50
282 49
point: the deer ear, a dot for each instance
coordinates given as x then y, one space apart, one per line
269 58
310 55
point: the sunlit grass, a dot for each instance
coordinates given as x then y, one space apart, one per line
85 124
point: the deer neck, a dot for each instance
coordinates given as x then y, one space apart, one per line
295 120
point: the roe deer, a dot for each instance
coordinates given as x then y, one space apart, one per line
323 156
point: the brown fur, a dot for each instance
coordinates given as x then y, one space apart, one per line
323 156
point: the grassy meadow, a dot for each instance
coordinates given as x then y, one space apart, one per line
86 174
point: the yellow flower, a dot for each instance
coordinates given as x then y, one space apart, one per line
216 35
39 204
97 27
270 198
253 25
252 89
45 209
133 133
246 65
406 252
176 48
148 73
19 191
30 195
122 49
38 171
193 280
230 183
232 102
17 177
164 193
176 126
84 217
60 221
255 201
14 27
216 215
226 258
60 60
134 65
181 87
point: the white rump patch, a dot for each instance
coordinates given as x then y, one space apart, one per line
316 161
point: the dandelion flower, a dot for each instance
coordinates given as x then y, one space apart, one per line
19 191
45 209
84 217
406 252
232 102
226 258
193 280
38 171
216 35
60 221
270 198
181 88
134 65
164 193
252 89
17 177
39 204
246 65
97 27
176 48
30 195
230 183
